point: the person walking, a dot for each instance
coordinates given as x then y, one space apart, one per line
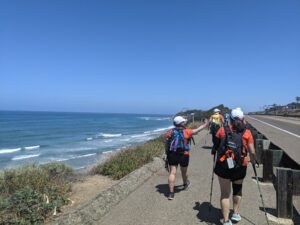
233 143
177 151
215 122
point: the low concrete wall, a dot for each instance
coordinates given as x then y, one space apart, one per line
92 212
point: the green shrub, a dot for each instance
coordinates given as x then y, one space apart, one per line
24 192
130 159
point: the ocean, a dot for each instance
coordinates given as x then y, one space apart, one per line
77 139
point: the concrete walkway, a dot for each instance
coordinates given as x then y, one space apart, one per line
149 204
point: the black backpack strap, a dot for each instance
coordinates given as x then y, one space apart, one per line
191 140
228 132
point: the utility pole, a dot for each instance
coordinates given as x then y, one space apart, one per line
193 117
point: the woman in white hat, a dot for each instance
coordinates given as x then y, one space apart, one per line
233 143
178 151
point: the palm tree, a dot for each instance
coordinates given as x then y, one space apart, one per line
297 99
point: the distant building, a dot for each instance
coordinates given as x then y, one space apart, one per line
293 105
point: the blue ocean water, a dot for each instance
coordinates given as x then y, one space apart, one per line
77 139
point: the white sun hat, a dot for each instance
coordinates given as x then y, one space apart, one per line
237 113
178 120
217 110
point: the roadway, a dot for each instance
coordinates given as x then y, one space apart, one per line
283 132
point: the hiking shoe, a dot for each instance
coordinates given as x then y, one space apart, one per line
236 217
171 196
186 185
228 222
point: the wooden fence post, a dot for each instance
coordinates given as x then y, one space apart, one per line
284 193
268 166
259 150
296 182
260 136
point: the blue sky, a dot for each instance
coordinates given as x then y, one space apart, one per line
148 56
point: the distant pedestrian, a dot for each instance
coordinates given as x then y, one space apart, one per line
177 151
233 143
215 122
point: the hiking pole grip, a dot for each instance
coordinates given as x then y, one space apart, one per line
254 169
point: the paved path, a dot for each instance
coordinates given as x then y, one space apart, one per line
283 132
149 204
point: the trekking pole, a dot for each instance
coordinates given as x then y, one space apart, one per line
165 158
212 182
262 200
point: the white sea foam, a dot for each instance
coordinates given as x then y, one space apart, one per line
109 135
20 157
144 118
79 168
107 141
89 138
75 157
154 118
61 160
9 150
158 130
139 135
126 139
161 129
82 156
163 118
32 147
107 152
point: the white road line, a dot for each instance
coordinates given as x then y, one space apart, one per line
275 127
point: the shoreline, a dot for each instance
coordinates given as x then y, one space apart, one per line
75 139
101 153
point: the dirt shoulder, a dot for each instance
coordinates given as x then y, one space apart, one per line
87 188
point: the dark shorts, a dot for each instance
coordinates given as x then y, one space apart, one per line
175 158
231 174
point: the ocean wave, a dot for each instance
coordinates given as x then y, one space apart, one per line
82 156
154 118
164 118
61 160
32 147
109 135
161 129
126 139
79 168
75 157
20 157
144 118
9 150
89 138
139 135
107 141
107 152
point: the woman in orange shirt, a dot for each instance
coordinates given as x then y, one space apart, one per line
233 143
179 154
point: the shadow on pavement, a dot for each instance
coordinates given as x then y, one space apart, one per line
207 147
271 211
204 215
164 189
260 179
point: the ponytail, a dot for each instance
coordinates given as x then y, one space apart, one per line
238 125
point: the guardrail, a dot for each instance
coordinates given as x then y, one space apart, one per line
286 178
